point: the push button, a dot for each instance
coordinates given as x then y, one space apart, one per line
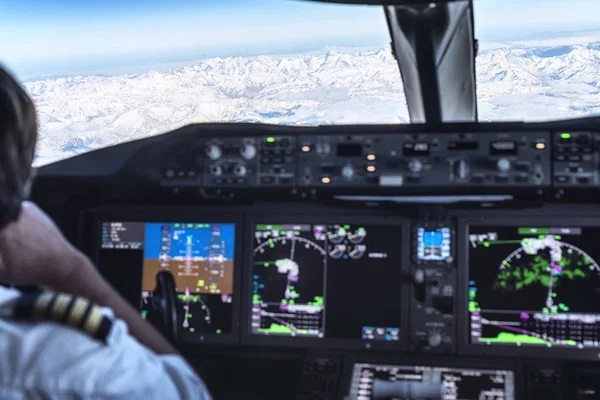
583 180
523 166
477 179
522 179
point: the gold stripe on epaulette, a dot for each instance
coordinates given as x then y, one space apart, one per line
92 323
59 308
41 305
78 312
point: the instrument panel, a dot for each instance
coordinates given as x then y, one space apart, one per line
464 301
456 260
462 284
411 162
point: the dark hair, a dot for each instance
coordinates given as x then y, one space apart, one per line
18 135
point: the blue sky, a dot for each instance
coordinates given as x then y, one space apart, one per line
49 36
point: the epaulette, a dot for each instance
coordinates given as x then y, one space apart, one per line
64 309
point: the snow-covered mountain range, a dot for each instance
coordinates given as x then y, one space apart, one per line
79 113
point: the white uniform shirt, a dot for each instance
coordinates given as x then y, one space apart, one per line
44 360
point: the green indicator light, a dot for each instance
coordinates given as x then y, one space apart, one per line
270 140
192 330
264 227
218 331
565 136
530 231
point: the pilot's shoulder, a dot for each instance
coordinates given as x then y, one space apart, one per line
63 309
98 359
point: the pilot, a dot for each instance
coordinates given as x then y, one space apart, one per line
76 338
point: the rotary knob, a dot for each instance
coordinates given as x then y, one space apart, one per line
503 165
214 152
419 276
348 172
248 151
415 166
461 169
216 170
239 170
434 339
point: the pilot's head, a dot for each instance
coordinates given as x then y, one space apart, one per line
18 135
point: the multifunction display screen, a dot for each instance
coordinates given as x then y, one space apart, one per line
338 281
534 286
200 256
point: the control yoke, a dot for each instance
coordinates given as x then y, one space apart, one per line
164 303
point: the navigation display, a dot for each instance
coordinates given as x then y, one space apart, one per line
199 255
338 281
534 286
403 382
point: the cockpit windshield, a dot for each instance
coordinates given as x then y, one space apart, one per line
538 60
110 71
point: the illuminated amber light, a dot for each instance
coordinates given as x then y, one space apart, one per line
371 168
305 149
371 157
325 179
540 146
